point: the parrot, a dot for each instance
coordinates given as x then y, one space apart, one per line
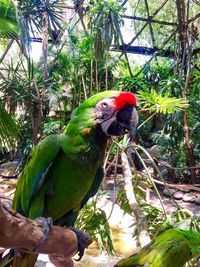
64 170
172 247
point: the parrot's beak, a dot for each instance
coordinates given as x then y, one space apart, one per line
131 123
123 120
128 119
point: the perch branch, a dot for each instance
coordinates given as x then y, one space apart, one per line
26 235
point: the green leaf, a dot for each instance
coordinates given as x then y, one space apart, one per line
8 24
161 103
9 132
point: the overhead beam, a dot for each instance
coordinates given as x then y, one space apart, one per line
149 19
142 50
147 23
147 51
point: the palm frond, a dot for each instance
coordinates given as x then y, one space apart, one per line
32 13
8 24
9 132
161 103
106 20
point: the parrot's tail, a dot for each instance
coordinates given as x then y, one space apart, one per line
24 260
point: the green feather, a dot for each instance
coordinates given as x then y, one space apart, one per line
171 248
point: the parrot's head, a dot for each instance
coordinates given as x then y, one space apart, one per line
112 113
117 115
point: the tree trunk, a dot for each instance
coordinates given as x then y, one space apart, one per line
184 56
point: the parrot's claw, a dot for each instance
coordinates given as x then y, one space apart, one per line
47 223
84 240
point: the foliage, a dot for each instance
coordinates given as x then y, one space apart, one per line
106 21
170 139
155 102
181 218
73 69
154 216
93 221
184 219
31 14
52 126
160 91
9 131
8 23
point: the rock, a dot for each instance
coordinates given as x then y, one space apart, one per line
178 195
197 200
9 169
168 192
185 189
189 197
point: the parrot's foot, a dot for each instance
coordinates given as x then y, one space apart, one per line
84 240
47 223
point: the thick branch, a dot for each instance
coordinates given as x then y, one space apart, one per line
143 236
180 187
26 235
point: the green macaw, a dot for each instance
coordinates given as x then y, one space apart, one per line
171 248
63 171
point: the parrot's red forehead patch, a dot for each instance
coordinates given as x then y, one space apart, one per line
124 99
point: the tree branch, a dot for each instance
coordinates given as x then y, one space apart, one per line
27 235
143 236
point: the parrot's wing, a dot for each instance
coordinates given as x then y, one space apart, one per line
94 187
33 174
174 254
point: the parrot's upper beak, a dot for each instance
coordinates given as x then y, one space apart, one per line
132 129
123 120
131 121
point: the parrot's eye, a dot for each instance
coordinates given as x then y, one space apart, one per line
105 108
104 105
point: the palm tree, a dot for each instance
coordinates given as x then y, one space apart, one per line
28 19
